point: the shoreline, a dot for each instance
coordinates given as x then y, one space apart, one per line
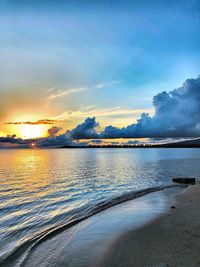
90 240
99 208
172 239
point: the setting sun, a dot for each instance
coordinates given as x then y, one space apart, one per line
32 131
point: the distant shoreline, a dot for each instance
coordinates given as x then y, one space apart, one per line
109 147
138 146
193 143
189 143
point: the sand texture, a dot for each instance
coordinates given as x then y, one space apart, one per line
171 240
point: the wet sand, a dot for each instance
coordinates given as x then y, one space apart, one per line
170 240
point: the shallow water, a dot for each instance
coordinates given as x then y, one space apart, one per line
41 189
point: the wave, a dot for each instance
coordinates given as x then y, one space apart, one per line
21 251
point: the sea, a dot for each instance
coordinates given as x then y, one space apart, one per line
46 190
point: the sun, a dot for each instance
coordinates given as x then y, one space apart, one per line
32 131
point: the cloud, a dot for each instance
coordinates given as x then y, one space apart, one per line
11 139
51 141
179 110
85 130
43 121
143 128
101 113
57 93
14 142
54 130
177 114
61 93
105 84
56 141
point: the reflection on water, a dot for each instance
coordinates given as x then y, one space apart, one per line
40 188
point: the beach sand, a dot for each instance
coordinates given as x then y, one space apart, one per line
170 240
142 232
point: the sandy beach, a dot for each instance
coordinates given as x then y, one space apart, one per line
171 240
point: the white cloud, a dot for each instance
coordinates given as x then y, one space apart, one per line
101 112
57 93
60 93
105 84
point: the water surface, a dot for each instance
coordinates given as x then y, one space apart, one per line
40 189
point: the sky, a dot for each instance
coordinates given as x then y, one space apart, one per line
63 62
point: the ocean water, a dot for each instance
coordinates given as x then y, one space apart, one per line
44 189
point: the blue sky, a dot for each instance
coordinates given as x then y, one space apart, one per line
94 55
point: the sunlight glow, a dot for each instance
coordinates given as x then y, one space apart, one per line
32 131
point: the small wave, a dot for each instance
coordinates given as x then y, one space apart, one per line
21 251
